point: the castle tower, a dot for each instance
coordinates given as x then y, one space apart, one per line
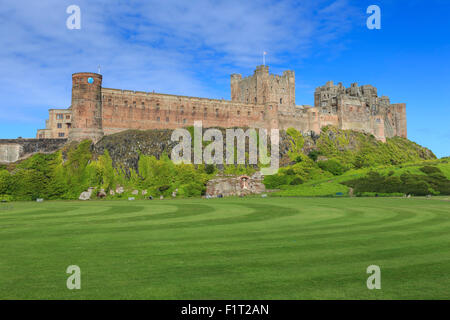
235 88
263 88
86 107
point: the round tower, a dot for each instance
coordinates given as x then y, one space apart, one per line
86 107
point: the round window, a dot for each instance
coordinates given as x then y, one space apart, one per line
91 80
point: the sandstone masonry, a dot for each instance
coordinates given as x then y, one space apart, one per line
262 100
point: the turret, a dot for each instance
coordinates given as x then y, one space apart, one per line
235 88
86 107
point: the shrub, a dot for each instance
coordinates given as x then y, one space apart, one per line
210 169
276 180
430 170
420 185
332 166
296 181
314 154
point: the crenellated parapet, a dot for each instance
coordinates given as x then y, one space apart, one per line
261 100
360 108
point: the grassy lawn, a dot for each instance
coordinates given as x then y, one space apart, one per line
235 248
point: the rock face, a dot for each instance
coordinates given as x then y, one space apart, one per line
125 147
86 195
235 186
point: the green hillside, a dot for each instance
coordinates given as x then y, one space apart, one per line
138 160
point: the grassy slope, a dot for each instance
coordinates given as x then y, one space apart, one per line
246 248
331 186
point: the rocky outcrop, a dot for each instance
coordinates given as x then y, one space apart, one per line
125 147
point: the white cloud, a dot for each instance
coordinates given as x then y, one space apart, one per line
184 47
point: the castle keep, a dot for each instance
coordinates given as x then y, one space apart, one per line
262 100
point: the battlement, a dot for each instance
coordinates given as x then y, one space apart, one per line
260 100
264 88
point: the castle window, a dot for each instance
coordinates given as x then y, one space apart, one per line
184 120
217 112
157 107
167 119
158 119
255 99
59 116
59 125
61 134
182 110
281 100
248 113
68 117
239 112
193 110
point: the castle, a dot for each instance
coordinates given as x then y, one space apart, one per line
262 100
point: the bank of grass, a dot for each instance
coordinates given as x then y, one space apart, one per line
331 186
235 248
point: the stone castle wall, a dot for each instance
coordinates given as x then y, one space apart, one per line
12 150
262 100
124 109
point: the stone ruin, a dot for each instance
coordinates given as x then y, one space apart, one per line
225 186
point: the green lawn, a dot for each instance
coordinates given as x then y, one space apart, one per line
235 248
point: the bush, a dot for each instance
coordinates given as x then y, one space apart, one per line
314 154
210 169
332 166
430 170
275 181
420 185
296 181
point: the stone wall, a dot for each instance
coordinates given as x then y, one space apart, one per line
235 185
12 150
262 100
124 109
360 108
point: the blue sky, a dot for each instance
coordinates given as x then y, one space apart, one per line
191 48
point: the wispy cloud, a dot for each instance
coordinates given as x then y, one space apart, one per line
184 47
